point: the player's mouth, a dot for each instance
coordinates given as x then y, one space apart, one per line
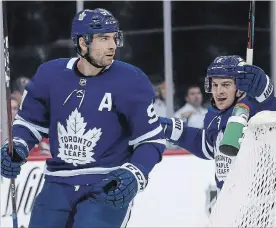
110 55
221 99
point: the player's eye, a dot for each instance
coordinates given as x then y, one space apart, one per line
104 38
226 85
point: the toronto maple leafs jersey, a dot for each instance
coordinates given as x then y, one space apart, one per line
205 142
94 124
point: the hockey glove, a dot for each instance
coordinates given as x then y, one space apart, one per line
11 167
253 80
173 128
122 185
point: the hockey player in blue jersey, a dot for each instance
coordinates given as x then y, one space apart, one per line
231 82
105 136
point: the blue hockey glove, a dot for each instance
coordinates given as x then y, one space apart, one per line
173 128
11 167
122 185
253 80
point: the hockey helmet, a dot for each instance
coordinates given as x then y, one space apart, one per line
98 21
222 67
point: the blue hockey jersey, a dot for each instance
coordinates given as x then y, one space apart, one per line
94 124
205 142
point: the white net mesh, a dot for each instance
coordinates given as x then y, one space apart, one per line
248 196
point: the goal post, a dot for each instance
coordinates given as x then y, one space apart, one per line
248 196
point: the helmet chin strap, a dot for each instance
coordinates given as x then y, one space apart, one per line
238 97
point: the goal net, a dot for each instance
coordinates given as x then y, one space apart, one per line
248 196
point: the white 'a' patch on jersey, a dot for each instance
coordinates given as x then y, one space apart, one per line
223 162
76 145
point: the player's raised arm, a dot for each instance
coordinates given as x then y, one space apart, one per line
194 140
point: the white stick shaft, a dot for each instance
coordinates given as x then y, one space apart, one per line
249 56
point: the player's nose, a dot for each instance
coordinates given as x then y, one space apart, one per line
220 89
112 44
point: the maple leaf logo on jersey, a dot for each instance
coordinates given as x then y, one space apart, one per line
76 146
223 162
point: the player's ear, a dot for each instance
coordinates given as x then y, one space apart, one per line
82 45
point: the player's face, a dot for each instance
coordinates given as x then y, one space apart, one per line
102 48
224 92
194 96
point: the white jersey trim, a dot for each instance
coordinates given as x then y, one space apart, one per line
127 216
209 146
77 172
160 141
38 128
30 127
146 136
71 62
23 98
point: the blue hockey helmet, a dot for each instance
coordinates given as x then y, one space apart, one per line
98 21
222 67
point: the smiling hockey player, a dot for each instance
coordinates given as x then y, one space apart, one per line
105 136
231 82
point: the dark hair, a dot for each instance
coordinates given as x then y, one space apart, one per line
191 87
20 84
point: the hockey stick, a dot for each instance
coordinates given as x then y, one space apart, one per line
9 110
251 24
230 143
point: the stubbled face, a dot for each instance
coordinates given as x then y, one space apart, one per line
102 48
224 92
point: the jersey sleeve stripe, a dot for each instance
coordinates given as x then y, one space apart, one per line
30 127
38 128
205 149
160 141
148 135
210 148
76 172
22 99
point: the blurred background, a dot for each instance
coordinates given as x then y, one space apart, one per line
175 54
201 31
172 42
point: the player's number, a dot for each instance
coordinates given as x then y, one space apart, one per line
152 114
